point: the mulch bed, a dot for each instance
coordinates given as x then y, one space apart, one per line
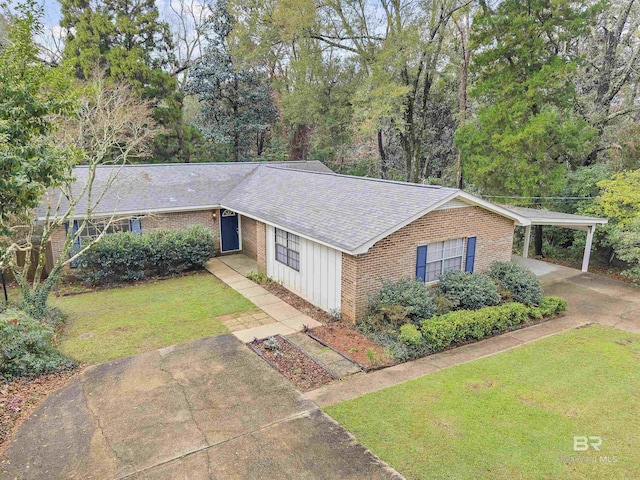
353 345
295 301
21 396
300 369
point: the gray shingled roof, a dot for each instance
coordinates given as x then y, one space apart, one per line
538 216
156 187
348 213
342 211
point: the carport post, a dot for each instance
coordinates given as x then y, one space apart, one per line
527 238
587 248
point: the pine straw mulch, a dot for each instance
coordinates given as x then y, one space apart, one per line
353 345
295 301
21 396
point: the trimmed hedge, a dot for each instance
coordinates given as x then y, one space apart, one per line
26 347
410 335
549 305
126 257
464 325
468 291
516 282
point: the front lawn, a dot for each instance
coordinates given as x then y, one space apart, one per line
124 321
513 415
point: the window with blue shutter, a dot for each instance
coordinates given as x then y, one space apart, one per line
439 257
421 262
135 225
471 255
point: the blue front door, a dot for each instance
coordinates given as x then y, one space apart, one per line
229 231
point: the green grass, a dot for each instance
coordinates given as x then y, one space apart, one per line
133 319
513 415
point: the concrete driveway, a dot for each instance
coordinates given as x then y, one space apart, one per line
592 298
209 409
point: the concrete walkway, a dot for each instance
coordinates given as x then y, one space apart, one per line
208 409
281 318
592 299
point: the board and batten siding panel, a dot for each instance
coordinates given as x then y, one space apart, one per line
319 280
455 203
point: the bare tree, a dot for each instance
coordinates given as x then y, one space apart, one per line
111 126
612 65
401 44
188 21
462 23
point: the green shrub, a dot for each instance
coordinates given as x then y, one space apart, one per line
411 294
443 304
126 257
55 318
551 305
464 325
388 337
410 334
468 291
26 347
520 282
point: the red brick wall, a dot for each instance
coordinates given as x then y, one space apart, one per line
58 236
249 238
261 246
175 220
395 256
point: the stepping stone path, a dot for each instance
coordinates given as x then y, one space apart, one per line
330 359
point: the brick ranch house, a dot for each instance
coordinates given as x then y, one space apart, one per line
332 239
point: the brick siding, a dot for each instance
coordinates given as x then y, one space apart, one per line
174 220
249 238
395 256
177 220
261 246
56 241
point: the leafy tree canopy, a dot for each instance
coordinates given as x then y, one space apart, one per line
32 96
526 133
127 41
237 107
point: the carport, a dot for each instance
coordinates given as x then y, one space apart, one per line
559 219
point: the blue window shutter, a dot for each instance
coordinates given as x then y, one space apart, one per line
135 225
471 255
76 243
421 263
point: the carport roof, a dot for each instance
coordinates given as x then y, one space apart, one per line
560 219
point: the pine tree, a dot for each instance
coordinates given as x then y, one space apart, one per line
126 40
526 133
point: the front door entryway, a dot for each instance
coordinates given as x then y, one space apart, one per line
229 231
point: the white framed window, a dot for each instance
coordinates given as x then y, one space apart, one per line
443 257
95 227
288 249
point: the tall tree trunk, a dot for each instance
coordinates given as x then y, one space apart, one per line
299 145
465 34
384 167
260 143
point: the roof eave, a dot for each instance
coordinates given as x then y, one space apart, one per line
519 219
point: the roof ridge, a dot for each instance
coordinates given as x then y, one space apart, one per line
171 164
239 183
370 179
